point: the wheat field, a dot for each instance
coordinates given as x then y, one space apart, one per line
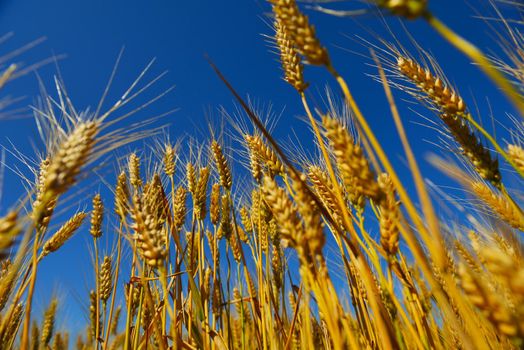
328 249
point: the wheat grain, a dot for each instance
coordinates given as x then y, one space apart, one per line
63 234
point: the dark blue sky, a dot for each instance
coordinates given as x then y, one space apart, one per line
178 34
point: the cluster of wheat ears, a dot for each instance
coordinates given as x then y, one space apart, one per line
203 260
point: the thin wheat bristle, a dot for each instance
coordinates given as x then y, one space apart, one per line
63 234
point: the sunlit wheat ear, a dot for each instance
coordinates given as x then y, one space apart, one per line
190 250
134 296
9 229
263 234
246 220
254 166
179 208
156 199
300 32
289 58
116 319
276 266
134 171
7 282
265 154
490 304
206 284
106 279
118 341
501 206
214 204
122 196
48 324
504 267
324 189
235 246
410 9
35 336
224 171
516 153
169 160
440 94
70 156
452 111
200 195
284 211
45 202
149 233
355 171
60 341
216 301
63 234
468 257
79 342
97 216
313 229
191 177
226 226
12 327
94 322
241 310
389 216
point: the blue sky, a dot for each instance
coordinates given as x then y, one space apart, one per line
178 34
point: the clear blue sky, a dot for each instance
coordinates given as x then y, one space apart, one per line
178 34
